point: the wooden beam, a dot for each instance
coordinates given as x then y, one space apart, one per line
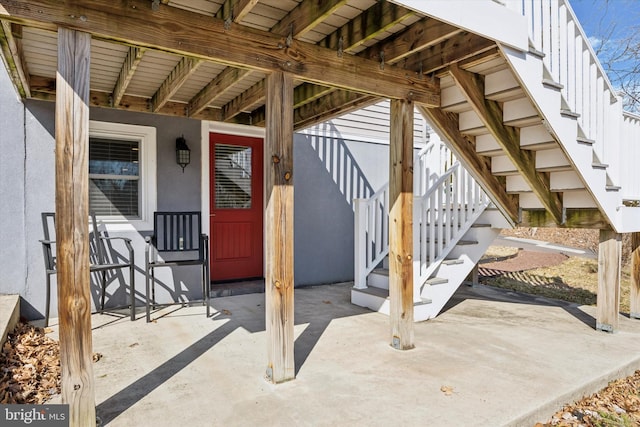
235 10
508 137
72 230
333 105
11 52
401 225
370 23
127 71
188 33
246 101
216 88
174 81
455 49
305 16
44 88
446 124
574 218
609 270
415 38
279 228
635 276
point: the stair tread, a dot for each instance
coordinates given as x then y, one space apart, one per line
459 242
599 165
613 187
553 84
381 271
455 261
585 140
437 281
570 114
384 293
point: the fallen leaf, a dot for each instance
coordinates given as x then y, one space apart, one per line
447 390
326 302
226 312
135 344
96 357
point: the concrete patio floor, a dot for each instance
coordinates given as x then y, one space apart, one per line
511 359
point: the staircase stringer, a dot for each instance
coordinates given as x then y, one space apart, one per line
528 68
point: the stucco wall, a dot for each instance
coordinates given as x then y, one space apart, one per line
329 173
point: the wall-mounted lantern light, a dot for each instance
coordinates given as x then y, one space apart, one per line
183 154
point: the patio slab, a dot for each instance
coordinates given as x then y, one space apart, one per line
510 359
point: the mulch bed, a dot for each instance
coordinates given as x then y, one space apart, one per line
526 260
29 366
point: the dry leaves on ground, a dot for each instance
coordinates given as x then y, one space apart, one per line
29 366
618 404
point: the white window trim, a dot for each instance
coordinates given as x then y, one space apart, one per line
146 136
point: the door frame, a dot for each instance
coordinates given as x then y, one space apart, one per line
206 128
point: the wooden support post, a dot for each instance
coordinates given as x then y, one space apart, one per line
279 227
72 226
401 224
635 276
609 266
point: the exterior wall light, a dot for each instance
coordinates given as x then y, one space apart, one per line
183 154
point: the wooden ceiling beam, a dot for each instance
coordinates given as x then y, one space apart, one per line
127 71
508 137
418 36
12 54
216 88
246 101
235 9
378 18
188 33
305 16
415 38
446 124
455 49
174 81
333 105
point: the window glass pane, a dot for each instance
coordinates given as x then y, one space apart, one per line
114 177
232 177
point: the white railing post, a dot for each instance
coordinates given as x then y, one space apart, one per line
360 243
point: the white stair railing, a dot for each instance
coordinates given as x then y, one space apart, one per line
441 217
439 184
571 61
371 240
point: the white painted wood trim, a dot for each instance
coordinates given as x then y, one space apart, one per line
478 16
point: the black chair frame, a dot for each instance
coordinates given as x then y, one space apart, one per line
99 261
176 234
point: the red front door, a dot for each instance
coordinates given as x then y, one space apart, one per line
236 206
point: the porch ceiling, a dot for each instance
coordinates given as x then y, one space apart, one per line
207 59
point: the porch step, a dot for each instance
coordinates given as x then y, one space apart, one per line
459 243
585 140
597 165
378 300
436 281
456 261
569 114
552 85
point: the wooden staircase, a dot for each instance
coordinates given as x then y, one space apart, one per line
542 129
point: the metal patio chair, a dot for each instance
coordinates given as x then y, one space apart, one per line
178 238
101 260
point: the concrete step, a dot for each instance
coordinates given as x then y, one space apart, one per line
9 315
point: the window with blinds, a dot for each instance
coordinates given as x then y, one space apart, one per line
232 177
114 177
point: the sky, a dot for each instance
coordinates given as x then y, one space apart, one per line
598 16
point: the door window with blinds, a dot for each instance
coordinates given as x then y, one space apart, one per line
114 177
232 177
